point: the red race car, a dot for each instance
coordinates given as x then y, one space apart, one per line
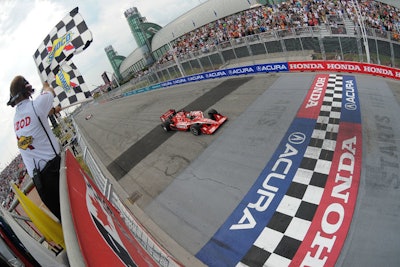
192 120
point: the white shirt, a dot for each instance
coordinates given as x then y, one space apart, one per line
33 142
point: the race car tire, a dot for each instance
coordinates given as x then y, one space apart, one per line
195 129
166 126
211 113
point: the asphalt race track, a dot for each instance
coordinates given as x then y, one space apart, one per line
190 185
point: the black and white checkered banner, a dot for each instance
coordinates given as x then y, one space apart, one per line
69 86
53 58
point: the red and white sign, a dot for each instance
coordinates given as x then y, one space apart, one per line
312 103
103 237
329 228
345 66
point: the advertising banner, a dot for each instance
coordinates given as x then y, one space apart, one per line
103 236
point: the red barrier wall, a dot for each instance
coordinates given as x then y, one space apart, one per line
345 66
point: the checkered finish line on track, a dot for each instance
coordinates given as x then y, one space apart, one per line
283 235
270 224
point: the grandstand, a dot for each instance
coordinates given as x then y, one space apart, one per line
215 25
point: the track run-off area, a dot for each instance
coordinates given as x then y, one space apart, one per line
304 172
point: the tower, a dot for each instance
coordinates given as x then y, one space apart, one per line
135 21
115 60
142 31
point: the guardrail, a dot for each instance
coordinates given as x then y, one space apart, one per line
318 43
291 66
145 239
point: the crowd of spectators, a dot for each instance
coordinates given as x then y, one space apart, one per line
378 16
285 16
15 172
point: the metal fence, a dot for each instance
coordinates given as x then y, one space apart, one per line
314 43
142 236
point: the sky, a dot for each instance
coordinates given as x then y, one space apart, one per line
25 23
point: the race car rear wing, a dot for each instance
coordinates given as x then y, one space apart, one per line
167 115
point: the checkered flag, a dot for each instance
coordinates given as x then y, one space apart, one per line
69 86
69 37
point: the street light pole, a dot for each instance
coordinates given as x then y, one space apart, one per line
176 59
363 31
